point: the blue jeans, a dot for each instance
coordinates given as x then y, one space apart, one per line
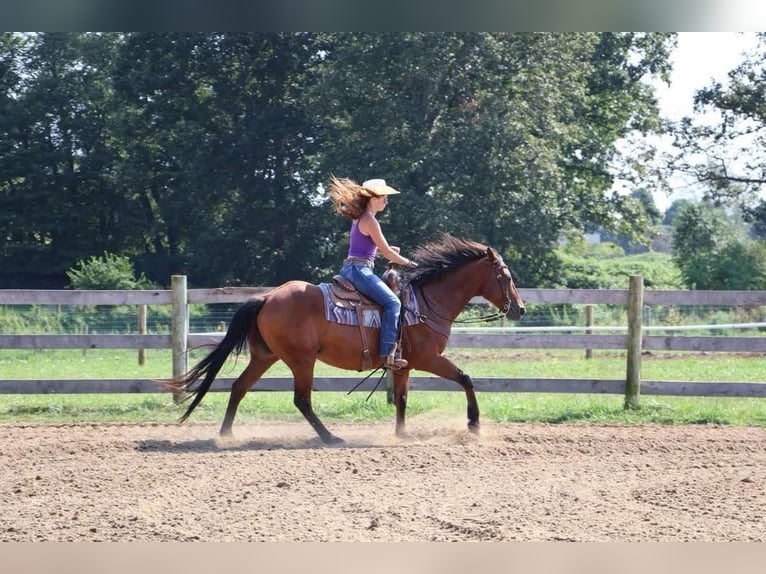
365 280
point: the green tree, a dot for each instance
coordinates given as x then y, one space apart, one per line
700 228
755 215
164 130
674 210
506 138
646 199
713 252
218 142
741 265
11 131
648 217
54 175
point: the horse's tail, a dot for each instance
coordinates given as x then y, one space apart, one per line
234 340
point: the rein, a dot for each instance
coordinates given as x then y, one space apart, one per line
375 388
484 319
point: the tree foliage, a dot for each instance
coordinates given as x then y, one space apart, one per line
206 154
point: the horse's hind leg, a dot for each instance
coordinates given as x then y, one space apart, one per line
304 382
248 378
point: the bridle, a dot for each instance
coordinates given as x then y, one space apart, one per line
501 271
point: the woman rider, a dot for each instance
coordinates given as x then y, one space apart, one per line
360 204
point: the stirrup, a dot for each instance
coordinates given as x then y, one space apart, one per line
395 364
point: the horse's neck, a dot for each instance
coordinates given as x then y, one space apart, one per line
453 292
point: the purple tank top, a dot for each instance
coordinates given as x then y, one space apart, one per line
361 245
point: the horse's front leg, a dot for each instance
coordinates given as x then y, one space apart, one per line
401 388
443 367
472 408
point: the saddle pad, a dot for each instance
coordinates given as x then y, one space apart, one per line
371 317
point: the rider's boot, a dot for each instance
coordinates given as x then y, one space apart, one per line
394 361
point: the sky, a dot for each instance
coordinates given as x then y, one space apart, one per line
699 59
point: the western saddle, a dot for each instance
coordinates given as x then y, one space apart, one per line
344 294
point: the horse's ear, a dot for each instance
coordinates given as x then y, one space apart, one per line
491 254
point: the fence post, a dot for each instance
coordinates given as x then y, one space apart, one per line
180 324
589 331
142 331
635 336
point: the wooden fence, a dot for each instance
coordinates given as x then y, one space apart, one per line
635 341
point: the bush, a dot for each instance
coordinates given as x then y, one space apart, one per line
713 252
109 271
737 265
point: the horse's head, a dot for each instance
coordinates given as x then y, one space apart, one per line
499 288
460 269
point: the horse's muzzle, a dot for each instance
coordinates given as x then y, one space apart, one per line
515 312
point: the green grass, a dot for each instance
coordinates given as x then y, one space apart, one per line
123 364
498 407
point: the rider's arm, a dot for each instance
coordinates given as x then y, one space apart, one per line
370 226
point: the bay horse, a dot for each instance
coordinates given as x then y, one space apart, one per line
289 323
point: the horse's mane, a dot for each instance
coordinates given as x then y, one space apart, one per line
439 257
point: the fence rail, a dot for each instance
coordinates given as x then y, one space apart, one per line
180 340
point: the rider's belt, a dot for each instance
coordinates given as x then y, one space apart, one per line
358 261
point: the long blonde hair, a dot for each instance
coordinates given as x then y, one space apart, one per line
349 199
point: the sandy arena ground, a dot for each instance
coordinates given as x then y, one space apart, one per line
276 481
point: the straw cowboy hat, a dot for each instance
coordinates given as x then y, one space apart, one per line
378 187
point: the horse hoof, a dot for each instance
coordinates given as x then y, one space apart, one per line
334 440
404 435
475 428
